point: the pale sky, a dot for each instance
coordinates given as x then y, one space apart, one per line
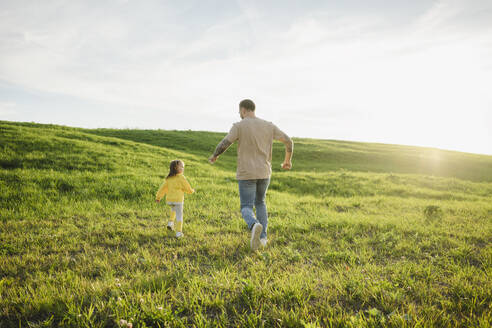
403 72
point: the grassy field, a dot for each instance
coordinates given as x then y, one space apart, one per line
360 234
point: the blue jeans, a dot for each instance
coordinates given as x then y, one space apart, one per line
252 193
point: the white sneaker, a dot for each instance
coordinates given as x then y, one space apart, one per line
179 234
263 242
170 225
255 236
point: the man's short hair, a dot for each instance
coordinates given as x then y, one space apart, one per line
247 104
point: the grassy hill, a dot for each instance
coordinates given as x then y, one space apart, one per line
360 234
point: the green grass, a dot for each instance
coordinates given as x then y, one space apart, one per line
360 234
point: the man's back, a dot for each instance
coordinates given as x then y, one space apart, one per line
255 139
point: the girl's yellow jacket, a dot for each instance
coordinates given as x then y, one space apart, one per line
174 187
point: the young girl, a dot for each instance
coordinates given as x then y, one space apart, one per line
175 186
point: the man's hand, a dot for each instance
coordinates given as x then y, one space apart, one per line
286 165
157 200
212 159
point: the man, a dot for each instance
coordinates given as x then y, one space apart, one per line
254 156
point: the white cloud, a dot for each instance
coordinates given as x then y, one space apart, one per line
7 109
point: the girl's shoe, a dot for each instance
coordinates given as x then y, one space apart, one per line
170 225
179 234
263 242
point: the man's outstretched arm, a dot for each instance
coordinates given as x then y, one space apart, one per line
221 147
289 150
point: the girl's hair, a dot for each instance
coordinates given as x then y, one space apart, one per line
173 168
